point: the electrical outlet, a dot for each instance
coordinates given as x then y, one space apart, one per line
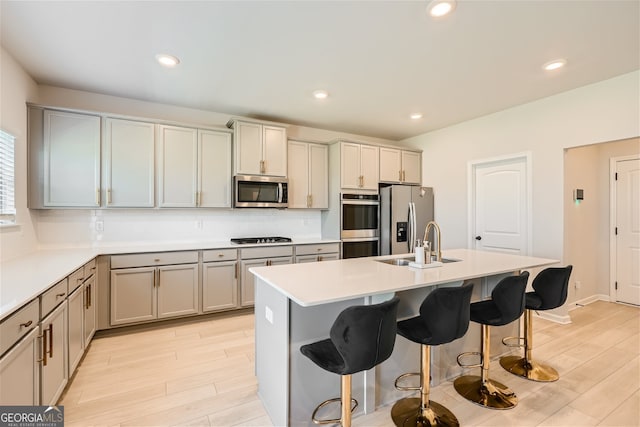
199 224
99 225
268 314
577 284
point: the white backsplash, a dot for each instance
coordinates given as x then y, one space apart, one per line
95 228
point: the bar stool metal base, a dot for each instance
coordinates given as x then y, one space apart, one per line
407 412
530 370
492 394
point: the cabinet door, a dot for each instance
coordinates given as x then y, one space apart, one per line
369 167
71 159
248 146
390 165
214 169
129 163
219 286
274 154
19 372
319 176
247 282
177 166
412 167
133 295
349 165
53 375
75 327
90 312
298 158
301 259
177 290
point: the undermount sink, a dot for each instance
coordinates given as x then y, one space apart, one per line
406 260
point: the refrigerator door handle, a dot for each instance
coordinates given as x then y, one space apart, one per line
412 226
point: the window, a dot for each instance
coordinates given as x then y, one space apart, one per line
7 179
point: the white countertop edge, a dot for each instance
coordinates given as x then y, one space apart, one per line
262 273
40 270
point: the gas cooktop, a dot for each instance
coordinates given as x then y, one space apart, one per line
254 240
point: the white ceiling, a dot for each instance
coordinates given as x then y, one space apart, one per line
379 60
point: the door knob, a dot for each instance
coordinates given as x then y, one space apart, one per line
478 237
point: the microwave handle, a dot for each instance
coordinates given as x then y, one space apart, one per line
279 192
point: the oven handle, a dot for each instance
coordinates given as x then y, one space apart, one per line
361 239
361 202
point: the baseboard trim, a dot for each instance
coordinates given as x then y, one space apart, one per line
562 319
566 318
589 300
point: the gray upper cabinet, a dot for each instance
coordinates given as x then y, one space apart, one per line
214 169
400 166
260 149
128 164
64 159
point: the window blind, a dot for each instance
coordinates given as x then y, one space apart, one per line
7 178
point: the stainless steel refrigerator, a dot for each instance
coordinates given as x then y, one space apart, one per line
405 211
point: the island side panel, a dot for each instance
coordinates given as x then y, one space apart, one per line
310 384
272 351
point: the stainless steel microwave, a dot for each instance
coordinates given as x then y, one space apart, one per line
252 191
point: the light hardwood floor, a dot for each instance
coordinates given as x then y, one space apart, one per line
202 373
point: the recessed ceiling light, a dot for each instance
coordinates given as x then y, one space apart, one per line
167 60
555 64
438 8
416 116
320 94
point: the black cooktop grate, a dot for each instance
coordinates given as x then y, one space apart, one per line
254 240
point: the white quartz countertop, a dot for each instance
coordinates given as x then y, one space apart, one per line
24 278
331 281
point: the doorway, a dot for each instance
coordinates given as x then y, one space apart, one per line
625 224
500 204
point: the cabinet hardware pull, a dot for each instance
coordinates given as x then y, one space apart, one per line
44 348
86 298
51 340
97 197
26 324
108 196
90 297
158 271
319 257
79 279
235 270
60 295
220 255
404 175
399 175
156 260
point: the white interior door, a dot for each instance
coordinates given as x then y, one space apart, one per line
627 263
500 204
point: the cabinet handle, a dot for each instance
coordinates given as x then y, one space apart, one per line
97 197
108 196
26 324
404 175
86 298
60 295
79 279
156 260
400 175
319 257
220 255
90 296
44 348
51 340
158 272
197 198
235 271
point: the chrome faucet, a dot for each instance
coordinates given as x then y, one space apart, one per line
438 252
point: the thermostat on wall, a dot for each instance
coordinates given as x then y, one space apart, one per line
578 195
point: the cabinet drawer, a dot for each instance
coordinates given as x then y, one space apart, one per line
18 324
89 269
323 248
219 255
54 296
266 252
153 258
75 279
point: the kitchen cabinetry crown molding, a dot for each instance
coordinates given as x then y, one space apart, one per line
371 143
232 121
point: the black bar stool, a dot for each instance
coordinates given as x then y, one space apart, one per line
361 337
444 317
505 306
550 289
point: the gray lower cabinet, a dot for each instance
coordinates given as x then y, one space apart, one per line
75 306
219 280
20 372
317 252
54 368
89 303
259 257
316 258
156 288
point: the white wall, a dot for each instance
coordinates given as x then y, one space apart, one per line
15 88
605 111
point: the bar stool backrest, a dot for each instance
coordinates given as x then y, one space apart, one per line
445 312
365 335
508 296
552 285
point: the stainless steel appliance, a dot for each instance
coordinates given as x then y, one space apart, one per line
254 240
359 224
405 211
260 191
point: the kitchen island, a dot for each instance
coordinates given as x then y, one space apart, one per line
297 304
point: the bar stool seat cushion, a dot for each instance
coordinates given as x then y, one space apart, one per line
506 304
444 317
533 301
361 337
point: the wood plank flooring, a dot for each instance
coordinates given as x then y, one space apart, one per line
201 373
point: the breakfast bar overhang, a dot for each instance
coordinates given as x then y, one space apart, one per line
296 304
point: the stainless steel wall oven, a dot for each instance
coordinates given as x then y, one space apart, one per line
359 224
